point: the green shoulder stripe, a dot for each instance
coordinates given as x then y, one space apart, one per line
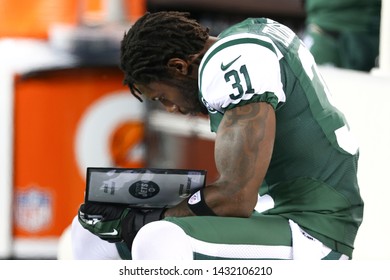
230 43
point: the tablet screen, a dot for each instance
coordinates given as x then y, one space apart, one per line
142 187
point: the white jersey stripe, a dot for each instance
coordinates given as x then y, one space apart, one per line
244 251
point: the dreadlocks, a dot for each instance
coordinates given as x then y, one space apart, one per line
153 40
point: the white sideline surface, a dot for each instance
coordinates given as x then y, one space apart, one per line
364 99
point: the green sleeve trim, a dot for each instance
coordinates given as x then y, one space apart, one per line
269 97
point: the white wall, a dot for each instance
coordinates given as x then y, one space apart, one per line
365 100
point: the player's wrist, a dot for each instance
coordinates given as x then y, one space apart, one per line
197 204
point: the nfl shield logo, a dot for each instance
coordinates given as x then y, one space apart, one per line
33 209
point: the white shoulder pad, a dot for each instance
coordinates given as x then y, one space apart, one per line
238 68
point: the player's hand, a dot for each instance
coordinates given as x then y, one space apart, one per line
103 221
136 219
116 223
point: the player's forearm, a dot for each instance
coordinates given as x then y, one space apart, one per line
219 202
180 210
243 150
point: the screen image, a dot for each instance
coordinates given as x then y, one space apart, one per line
142 187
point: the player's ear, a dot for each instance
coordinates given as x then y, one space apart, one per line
178 65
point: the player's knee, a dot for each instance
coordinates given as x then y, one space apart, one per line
79 239
87 246
78 234
162 240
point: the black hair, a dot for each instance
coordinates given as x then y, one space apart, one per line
154 39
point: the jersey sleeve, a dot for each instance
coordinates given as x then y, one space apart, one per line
241 69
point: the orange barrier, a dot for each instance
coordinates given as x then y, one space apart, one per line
52 111
134 9
34 18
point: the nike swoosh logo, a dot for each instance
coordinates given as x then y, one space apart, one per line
114 232
225 67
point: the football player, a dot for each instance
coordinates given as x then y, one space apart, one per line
280 141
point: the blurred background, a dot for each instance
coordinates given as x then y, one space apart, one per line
63 108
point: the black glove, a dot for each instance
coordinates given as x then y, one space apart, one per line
136 219
116 223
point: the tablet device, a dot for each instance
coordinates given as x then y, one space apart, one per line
142 187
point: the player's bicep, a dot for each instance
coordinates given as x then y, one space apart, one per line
243 149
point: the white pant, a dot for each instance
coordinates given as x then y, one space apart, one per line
86 246
165 240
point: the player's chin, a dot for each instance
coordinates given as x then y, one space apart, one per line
184 111
191 113
194 114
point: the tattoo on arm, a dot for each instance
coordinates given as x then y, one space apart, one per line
243 148
240 134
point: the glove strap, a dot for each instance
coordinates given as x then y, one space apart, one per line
143 217
154 215
132 223
198 206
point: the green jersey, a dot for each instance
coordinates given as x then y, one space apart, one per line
312 176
